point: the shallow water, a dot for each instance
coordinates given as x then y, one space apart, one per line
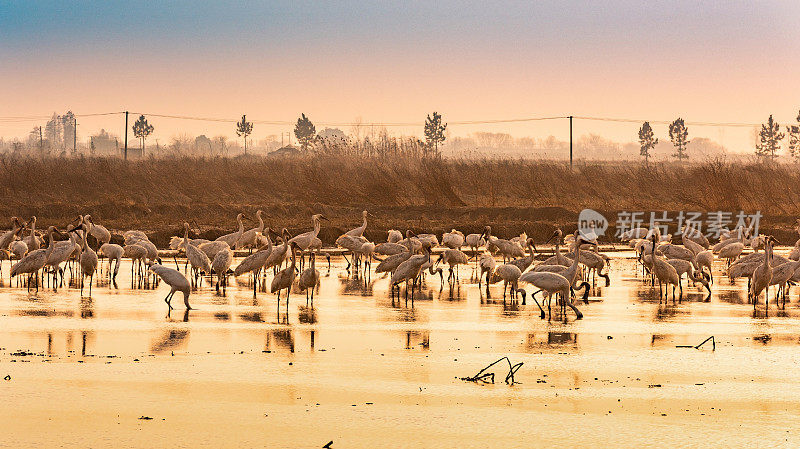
365 371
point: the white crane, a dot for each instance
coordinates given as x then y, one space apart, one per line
284 279
249 238
254 263
35 260
359 231
32 241
220 265
88 263
197 259
762 276
453 239
310 277
113 253
233 237
176 281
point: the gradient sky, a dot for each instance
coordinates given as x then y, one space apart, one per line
721 61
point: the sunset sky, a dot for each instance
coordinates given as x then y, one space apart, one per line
717 61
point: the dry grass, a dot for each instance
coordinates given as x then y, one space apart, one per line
159 194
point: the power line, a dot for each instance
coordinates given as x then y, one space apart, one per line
35 118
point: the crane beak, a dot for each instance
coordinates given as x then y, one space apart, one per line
322 217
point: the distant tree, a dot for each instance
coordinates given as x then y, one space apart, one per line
68 130
770 138
142 130
678 134
243 129
53 132
305 131
794 138
647 141
434 131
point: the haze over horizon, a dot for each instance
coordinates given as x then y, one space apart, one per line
385 62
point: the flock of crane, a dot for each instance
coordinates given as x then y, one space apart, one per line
405 258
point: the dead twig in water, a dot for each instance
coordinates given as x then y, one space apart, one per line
482 375
713 344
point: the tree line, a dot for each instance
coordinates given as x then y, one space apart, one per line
766 149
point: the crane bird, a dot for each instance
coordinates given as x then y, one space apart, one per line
409 270
474 241
233 237
310 276
9 236
781 274
176 281
684 266
112 252
18 249
550 284
487 265
524 262
453 239
278 254
665 273
394 236
731 252
452 257
389 249
506 248
304 240
220 265
100 233
197 259
509 274
35 260
87 262
359 231
284 279
389 264
254 263
60 254
32 241
249 238
762 276
212 248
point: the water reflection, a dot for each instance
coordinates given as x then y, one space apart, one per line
279 339
170 340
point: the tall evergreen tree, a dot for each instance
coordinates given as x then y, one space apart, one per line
305 132
647 140
243 129
434 131
678 134
794 138
770 138
142 130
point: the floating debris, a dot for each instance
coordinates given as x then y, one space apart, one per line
488 377
713 344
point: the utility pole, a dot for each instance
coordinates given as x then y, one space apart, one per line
126 135
41 143
75 135
570 143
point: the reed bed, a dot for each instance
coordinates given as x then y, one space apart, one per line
157 195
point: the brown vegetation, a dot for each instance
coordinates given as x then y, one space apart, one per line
434 195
